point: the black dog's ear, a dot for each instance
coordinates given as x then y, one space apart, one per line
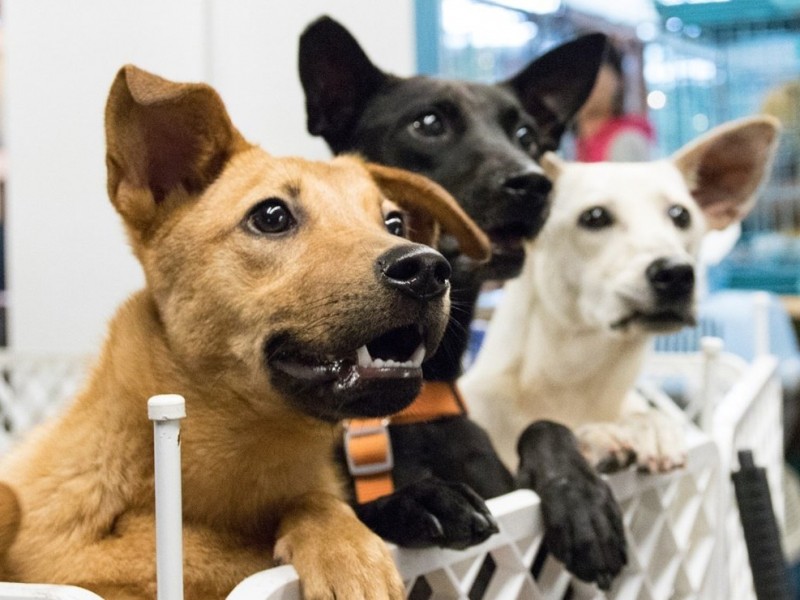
338 79
553 87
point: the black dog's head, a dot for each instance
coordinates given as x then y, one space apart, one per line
479 141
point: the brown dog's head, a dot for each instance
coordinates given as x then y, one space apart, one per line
279 276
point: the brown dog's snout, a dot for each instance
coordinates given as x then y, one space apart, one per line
671 279
415 270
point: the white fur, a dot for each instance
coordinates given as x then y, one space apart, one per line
558 347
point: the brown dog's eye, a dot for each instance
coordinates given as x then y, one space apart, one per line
680 216
270 216
596 217
395 224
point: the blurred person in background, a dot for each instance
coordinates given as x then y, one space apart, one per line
783 102
604 132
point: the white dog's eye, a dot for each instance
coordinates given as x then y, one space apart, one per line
596 217
680 216
395 223
270 216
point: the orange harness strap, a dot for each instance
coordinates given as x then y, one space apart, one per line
367 445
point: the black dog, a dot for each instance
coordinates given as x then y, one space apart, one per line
480 142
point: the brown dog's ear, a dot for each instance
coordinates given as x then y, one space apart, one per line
724 168
429 205
554 86
552 165
161 137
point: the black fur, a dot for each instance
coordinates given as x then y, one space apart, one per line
480 142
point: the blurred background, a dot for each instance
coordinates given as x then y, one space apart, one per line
684 67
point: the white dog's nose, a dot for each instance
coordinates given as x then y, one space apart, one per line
671 279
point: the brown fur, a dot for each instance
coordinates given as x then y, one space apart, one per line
258 474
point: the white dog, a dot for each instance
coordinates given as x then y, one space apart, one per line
613 265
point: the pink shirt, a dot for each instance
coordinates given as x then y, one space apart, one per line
597 147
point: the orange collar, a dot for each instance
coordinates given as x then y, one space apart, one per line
368 447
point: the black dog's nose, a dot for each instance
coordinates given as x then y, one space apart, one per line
528 184
416 270
671 279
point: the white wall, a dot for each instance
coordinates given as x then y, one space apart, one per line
68 265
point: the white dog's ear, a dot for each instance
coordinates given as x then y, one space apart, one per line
552 165
724 168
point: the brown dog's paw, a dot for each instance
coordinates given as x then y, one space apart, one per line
345 560
608 447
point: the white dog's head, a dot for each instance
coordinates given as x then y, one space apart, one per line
618 250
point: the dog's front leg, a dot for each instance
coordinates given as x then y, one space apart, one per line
583 523
336 556
643 435
430 512
122 566
658 438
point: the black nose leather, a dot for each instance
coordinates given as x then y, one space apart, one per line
416 270
671 279
528 184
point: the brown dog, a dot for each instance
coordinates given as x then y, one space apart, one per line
273 288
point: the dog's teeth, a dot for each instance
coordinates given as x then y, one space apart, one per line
418 356
378 362
364 358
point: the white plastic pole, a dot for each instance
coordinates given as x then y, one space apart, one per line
166 412
711 348
761 302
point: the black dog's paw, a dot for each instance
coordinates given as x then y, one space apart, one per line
430 512
583 522
583 528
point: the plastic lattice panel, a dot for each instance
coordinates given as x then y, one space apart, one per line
32 388
670 523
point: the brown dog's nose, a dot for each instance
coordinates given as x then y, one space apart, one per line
671 279
416 270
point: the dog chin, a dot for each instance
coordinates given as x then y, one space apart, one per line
663 321
503 266
379 378
356 396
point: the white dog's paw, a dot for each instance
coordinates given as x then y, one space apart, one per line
608 447
658 441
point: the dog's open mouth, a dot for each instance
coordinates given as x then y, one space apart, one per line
378 378
658 320
388 355
508 250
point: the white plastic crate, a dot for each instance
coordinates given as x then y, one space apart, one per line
682 528
670 521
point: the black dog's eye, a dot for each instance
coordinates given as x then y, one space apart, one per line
429 124
270 216
525 137
395 224
680 216
596 217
